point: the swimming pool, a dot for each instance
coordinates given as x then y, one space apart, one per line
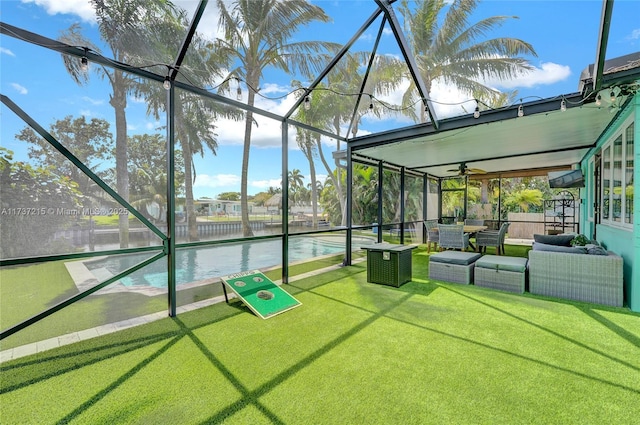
196 264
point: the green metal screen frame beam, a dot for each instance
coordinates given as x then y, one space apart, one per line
380 192
603 40
333 62
184 47
170 243
409 59
285 202
76 256
374 51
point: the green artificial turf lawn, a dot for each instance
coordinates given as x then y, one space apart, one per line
354 352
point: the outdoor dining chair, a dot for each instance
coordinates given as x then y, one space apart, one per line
452 236
492 238
431 227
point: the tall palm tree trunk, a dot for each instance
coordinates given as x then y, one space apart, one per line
244 202
314 195
336 184
119 102
190 209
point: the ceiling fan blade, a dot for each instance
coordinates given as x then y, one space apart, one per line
476 171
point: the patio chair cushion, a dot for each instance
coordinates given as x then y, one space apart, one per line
498 262
560 240
455 257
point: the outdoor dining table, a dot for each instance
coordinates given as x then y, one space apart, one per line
472 230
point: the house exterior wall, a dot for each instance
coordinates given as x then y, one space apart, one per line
623 241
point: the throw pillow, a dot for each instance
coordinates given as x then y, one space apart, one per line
537 246
595 250
558 240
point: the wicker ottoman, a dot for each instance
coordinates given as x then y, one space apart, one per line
500 272
452 266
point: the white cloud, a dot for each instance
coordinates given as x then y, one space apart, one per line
20 89
6 51
548 73
218 180
94 102
86 112
265 184
266 132
81 8
635 34
153 125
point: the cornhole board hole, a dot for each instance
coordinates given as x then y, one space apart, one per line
260 294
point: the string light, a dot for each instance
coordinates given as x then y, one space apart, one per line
520 111
563 105
613 96
257 92
598 100
476 112
370 103
167 83
84 64
307 103
238 89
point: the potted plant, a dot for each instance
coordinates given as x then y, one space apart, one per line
579 240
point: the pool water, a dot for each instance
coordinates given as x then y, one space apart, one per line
195 264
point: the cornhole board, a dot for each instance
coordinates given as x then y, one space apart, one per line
260 294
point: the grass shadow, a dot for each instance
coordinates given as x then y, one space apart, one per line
252 397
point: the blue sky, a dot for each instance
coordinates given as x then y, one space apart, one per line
563 33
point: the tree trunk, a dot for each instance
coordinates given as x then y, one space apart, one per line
119 103
244 203
189 207
336 184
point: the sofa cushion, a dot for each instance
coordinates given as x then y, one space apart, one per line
593 249
559 240
556 248
455 257
499 262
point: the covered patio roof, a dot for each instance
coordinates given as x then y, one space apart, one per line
552 133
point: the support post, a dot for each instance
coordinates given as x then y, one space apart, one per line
170 243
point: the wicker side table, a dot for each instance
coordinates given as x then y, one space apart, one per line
501 272
388 264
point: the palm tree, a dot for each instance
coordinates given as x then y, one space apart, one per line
524 199
446 48
295 179
257 34
194 115
333 104
125 31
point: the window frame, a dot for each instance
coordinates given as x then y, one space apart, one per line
616 172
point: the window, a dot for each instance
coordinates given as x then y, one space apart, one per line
617 178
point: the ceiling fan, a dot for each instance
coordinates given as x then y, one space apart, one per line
463 170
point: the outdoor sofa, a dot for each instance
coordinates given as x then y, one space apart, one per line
589 273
